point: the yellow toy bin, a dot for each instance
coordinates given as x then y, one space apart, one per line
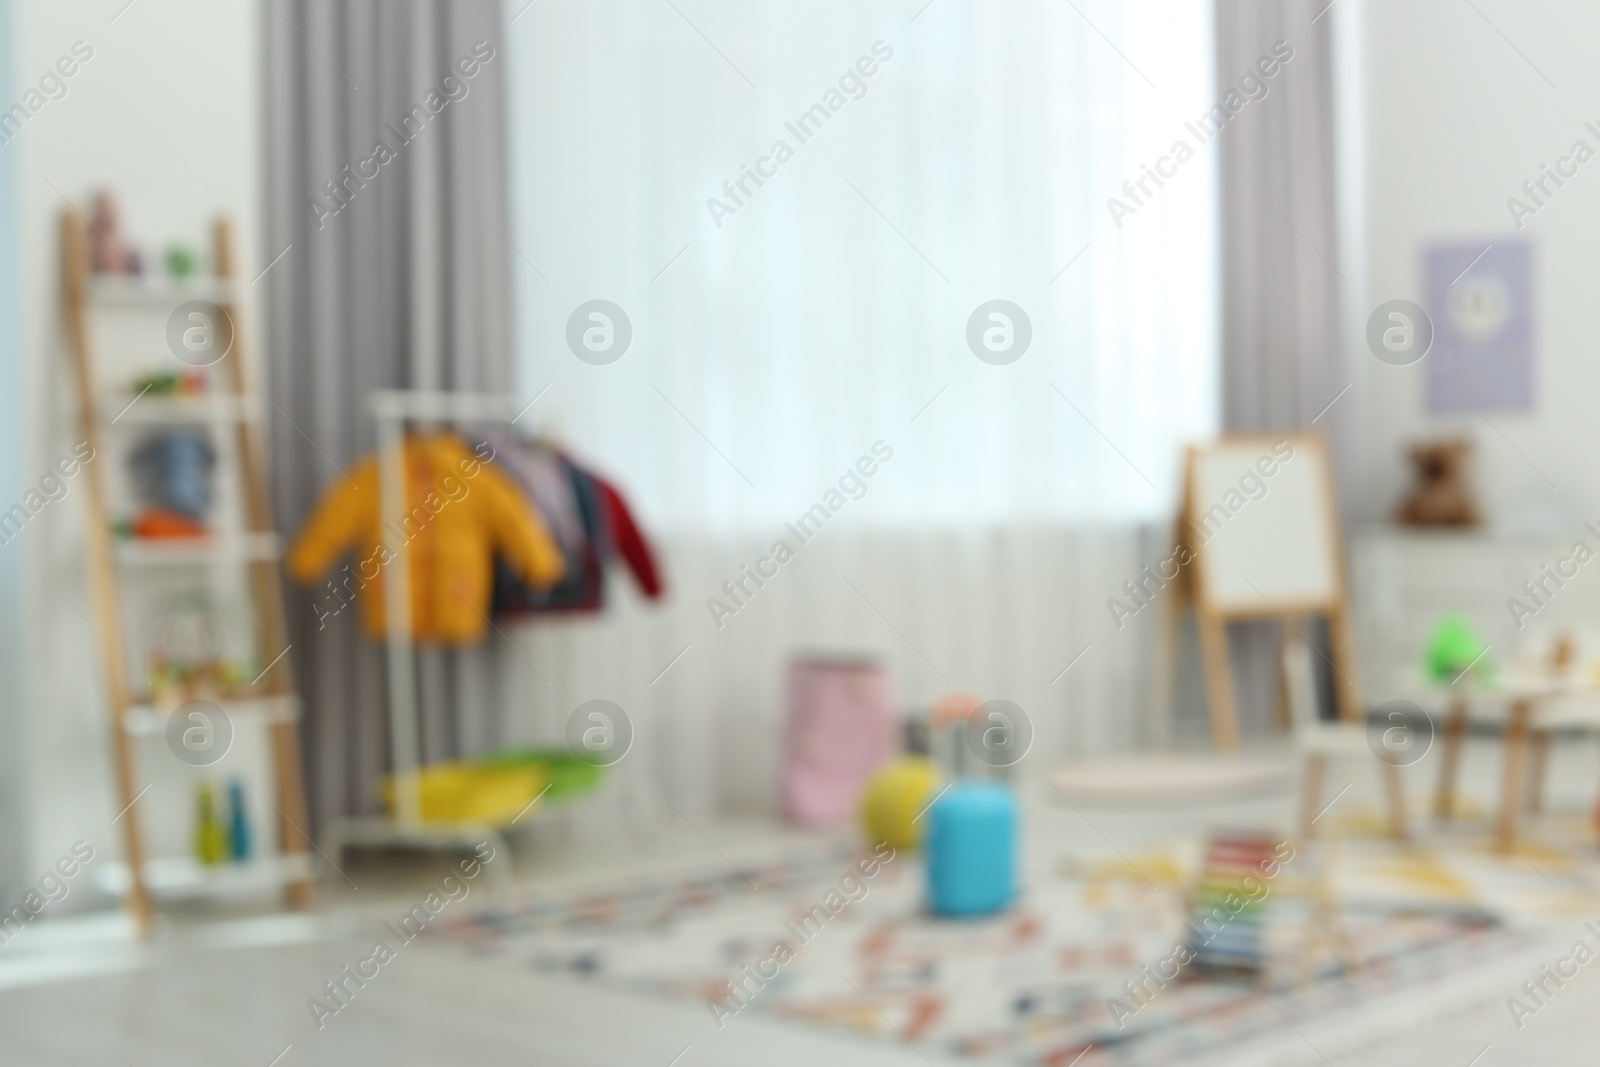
458 792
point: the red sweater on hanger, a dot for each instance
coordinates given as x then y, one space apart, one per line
626 538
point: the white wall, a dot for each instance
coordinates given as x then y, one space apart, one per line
165 113
13 704
1456 121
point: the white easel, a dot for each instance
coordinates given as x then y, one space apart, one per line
393 408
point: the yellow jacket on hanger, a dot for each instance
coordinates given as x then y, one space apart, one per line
459 511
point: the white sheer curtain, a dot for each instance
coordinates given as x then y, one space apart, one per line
833 304
830 310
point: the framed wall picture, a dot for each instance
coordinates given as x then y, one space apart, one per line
1480 297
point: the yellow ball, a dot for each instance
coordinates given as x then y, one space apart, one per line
895 795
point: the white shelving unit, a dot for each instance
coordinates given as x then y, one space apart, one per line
167 410
168 552
184 877
161 293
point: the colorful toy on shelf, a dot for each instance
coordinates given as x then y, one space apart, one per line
210 835
1454 648
239 836
159 524
108 253
188 655
192 382
972 849
181 260
892 803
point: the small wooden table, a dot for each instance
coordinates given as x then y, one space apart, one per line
1527 693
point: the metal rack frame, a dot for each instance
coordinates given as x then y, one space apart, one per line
393 409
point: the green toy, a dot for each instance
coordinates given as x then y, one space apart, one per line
1454 648
181 260
568 775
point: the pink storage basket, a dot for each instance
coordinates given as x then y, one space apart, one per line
840 728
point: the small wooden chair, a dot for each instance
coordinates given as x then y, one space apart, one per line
1320 742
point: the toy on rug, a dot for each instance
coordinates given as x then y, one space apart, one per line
1228 908
894 799
1439 495
972 849
839 728
947 731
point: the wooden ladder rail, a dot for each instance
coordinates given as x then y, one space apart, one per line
102 566
264 576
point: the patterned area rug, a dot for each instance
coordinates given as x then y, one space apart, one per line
1074 971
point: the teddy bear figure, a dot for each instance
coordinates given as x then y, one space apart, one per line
1439 493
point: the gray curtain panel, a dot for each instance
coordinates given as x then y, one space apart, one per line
1282 360
386 200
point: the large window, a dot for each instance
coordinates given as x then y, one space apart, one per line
800 206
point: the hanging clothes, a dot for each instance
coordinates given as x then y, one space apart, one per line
460 510
172 472
623 536
541 472
608 527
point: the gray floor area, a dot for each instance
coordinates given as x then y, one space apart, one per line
212 991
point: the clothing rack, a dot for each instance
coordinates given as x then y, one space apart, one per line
392 409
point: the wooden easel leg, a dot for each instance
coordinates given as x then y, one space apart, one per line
1395 788
1316 771
1219 681
1455 732
1285 715
1539 751
1347 692
1516 753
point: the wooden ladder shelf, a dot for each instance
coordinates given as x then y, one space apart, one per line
84 294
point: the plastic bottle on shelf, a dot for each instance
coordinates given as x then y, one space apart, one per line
238 823
211 836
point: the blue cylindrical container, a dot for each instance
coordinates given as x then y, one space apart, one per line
238 823
972 849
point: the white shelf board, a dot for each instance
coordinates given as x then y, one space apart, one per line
184 876
129 409
146 719
191 551
157 292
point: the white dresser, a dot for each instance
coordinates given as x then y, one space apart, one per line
1402 581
